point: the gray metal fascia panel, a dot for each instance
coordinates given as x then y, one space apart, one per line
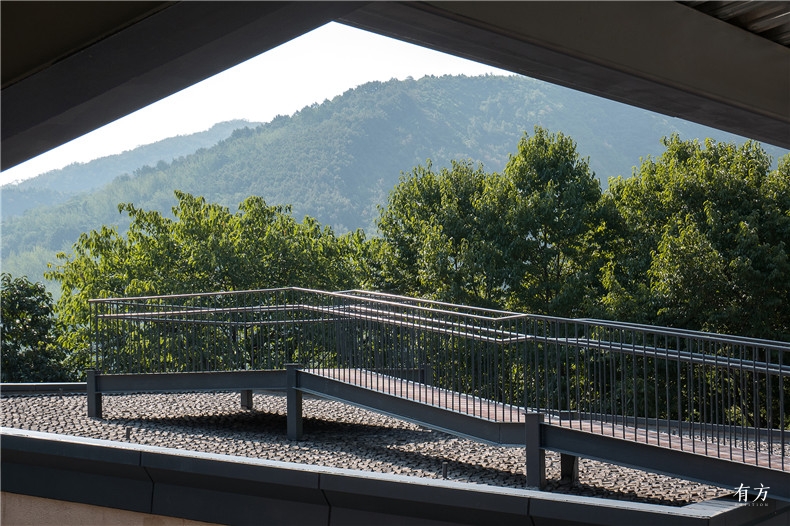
238 490
43 448
206 381
428 500
601 512
727 511
233 490
552 509
226 473
231 507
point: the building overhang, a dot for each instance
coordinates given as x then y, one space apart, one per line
71 67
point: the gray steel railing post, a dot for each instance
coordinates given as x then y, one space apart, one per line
426 374
246 399
536 455
569 468
94 395
294 401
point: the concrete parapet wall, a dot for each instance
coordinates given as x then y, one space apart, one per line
235 490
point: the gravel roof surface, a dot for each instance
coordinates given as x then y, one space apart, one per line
335 435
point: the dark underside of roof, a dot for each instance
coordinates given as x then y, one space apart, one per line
71 67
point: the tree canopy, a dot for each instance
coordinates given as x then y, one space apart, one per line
527 239
204 247
705 240
696 239
29 349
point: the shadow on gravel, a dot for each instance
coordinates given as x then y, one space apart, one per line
588 490
379 443
265 426
458 469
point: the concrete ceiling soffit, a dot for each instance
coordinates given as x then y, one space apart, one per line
36 35
172 49
661 56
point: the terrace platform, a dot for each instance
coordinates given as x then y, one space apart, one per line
703 407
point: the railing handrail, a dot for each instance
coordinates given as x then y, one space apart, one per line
702 335
392 300
499 335
188 295
367 294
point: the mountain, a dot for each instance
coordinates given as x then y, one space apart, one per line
337 161
57 186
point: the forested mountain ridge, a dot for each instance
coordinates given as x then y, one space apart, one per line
337 161
57 186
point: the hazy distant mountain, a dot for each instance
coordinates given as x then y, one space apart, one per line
57 186
338 160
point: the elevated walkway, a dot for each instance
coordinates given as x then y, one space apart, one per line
473 418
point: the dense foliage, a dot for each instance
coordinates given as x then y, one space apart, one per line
697 239
706 241
525 240
204 248
29 349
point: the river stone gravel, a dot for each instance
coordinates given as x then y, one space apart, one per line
335 435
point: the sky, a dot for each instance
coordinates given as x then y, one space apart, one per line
312 68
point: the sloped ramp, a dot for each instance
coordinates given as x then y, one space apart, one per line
419 403
495 423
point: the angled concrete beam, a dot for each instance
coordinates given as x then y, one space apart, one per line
166 52
660 56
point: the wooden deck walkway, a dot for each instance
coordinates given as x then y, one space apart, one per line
734 452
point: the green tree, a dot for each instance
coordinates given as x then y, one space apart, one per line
29 349
203 248
433 238
706 241
528 239
555 226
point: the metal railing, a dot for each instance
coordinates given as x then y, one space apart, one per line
722 396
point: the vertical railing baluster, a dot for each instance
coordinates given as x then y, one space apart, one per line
783 424
755 398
